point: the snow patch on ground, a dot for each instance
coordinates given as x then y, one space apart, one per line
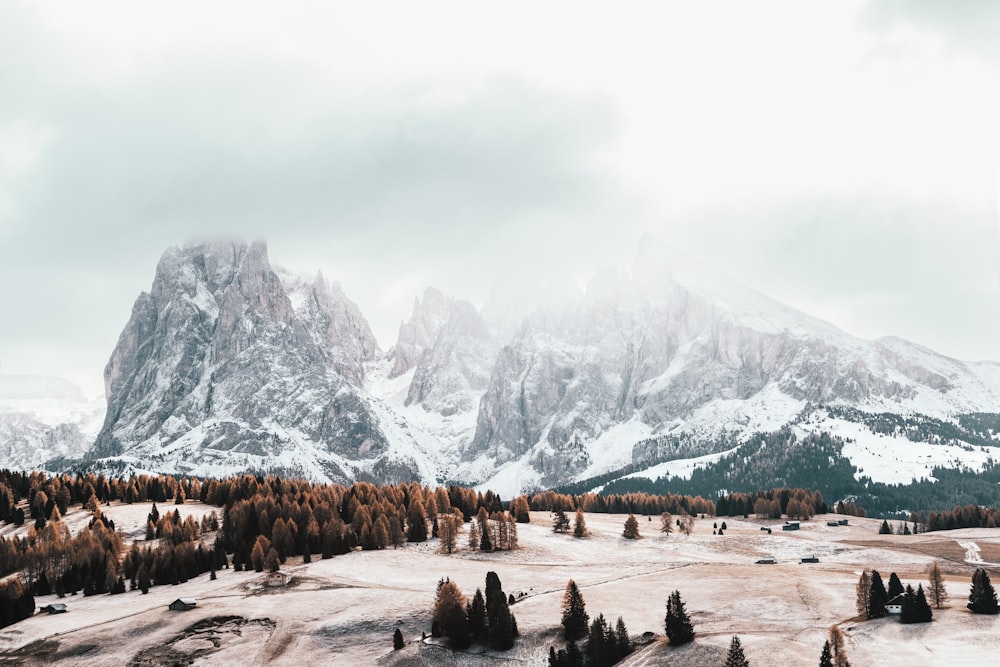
613 448
896 460
681 468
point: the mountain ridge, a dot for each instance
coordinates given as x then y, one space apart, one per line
228 364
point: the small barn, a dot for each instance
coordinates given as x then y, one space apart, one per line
842 522
765 528
791 525
895 605
810 558
182 604
767 560
833 523
54 608
278 578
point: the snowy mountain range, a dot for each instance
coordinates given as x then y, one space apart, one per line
229 364
42 418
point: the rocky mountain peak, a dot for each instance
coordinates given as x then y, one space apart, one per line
455 370
223 355
417 335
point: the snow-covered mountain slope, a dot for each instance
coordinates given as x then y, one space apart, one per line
675 348
44 417
219 370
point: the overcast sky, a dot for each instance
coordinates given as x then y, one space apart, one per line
841 156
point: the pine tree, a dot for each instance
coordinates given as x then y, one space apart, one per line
936 588
922 611
485 543
519 508
477 615
474 535
982 596
579 525
631 531
574 613
837 648
826 658
416 520
676 623
257 554
622 640
449 614
736 657
666 523
599 653
864 590
895 586
884 529
396 536
142 579
573 656
560 523
272 562
499 621
878 597
906 614
397 640
448 526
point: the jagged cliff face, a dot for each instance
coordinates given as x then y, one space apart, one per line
452 374
335 325
418 334
217 366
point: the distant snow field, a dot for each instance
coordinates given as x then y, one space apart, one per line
896 460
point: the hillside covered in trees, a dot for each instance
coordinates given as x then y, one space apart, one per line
816 461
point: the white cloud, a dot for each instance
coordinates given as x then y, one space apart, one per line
393 144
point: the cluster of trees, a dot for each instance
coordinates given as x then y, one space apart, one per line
873 598
18 603
834 653
560 522
485 619
796 503
605 645
971 429
968 516
299 518
495 532
50 560
816 461
629 503
782 458
89 490
264 521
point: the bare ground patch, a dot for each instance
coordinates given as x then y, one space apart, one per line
945 549
206 637
39 652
